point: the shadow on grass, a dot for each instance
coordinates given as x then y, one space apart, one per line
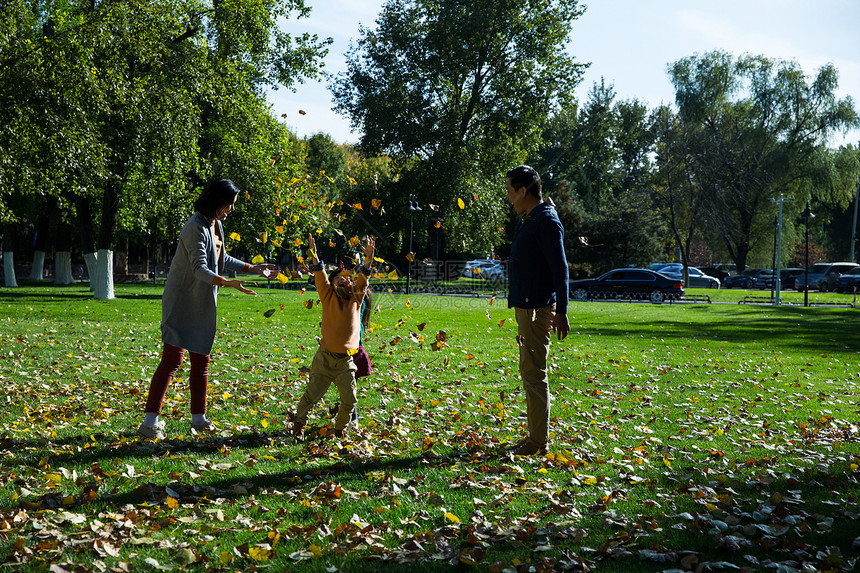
798 328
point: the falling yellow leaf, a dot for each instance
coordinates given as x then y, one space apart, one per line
437 223
354 242
279 229
297 242
358 206
410 257
392 275
258 259
282 278
376 203
460 203
331 243
235 236
264 237
492 300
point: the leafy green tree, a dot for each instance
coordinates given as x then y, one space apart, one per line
145 90
595 161
758 127
457 93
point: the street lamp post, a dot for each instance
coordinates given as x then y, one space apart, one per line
806 216
411 206
775 226
780 201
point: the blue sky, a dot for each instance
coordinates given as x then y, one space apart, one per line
628 42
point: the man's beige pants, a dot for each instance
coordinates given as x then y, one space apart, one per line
534 326
328 367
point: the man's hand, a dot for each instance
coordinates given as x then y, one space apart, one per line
560 325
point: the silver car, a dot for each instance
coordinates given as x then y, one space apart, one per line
697 279
822 276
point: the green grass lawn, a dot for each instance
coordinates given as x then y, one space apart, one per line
683 436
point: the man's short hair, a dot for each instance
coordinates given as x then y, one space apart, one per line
526 176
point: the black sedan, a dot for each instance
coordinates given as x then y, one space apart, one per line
744 280
848 282
628 283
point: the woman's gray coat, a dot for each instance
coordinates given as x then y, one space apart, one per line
188 307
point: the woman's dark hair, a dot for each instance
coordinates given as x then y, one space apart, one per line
217 194
525 176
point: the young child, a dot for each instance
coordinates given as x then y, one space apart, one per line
341 299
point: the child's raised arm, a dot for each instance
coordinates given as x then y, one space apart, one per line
369 247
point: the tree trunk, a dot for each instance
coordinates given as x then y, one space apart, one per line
9 256
88 243
63 257
37 272
63 268
40 242
102 282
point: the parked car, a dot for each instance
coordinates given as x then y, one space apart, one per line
716 272
789 276
763 279
627 283
696 278
849 281
745 279
823 276
490 269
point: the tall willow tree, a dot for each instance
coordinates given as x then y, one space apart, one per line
756 127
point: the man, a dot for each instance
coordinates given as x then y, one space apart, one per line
538 295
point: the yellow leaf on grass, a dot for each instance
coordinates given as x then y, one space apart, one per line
451 517
172 502
258 259
460 203
264 423
225 558
316 550
259 553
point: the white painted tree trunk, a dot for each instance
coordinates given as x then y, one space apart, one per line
37 273
63 268
9 269
102 282
90 260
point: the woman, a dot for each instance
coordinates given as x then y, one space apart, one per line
188 306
